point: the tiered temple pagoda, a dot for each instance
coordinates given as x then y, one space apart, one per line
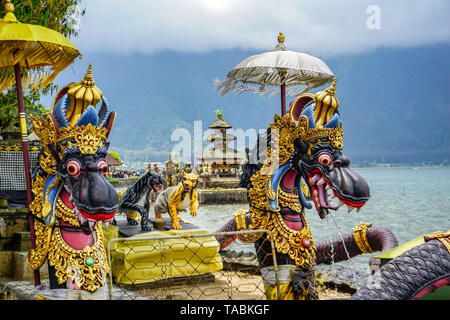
221 158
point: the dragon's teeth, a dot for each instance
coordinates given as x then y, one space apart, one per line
340 204
358 209
107 222
321 181
91 223
350 209
313 179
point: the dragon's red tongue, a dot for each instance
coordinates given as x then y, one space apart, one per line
322 195
320 187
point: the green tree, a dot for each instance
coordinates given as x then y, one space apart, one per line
8 105
60 15
115 156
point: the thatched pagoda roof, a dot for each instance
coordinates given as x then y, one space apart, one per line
222 137
111 161
220 123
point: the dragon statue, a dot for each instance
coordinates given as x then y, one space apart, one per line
413 274
71 192
178 198
136 198
304 147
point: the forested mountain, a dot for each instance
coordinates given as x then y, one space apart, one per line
394 103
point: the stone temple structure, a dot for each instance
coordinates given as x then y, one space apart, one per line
219 157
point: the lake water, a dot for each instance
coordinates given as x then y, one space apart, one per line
410 202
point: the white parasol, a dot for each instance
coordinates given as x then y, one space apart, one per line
277 68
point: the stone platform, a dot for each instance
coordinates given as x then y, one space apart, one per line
222 196
24 290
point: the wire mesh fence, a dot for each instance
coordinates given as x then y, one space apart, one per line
190 266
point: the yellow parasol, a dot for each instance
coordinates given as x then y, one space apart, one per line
32 47
40 53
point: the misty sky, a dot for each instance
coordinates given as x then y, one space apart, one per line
313 26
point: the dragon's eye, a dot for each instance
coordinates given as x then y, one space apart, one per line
324 159
73 167
102 166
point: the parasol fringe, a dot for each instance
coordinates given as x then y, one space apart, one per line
222 85
238 88
27 81
7 81
60 59
297 81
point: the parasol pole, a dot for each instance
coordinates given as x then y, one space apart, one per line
26 159
283 99
283 92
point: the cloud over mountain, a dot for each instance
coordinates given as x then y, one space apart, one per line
314 26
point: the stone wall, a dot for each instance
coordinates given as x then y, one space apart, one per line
14 245
230 183
12 221
238 195
229 191
123 182
219 183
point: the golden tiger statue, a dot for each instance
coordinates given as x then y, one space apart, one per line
178 198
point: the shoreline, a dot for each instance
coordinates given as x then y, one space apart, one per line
386 166
401 167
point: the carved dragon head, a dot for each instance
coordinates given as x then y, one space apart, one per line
74 145
303 156
319 156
